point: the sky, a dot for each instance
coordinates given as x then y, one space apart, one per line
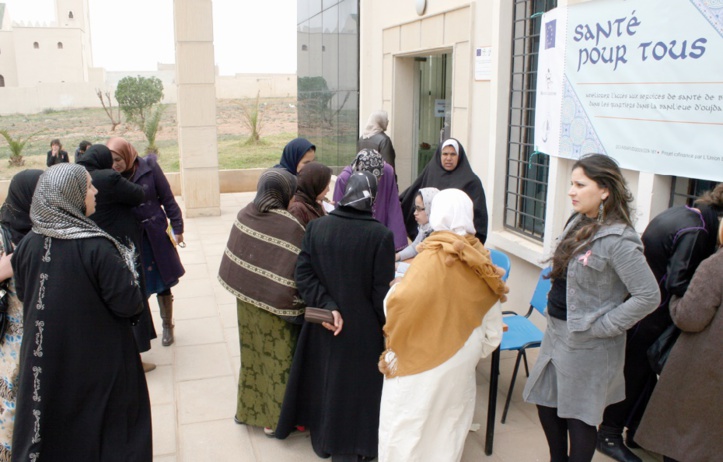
133 35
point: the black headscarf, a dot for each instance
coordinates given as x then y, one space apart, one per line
97 157
275 189
15 212
369 160
435 176
293 152
361 190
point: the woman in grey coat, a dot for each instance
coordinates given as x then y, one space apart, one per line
601 286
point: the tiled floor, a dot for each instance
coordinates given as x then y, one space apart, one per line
193 390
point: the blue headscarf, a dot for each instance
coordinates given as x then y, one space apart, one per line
293 152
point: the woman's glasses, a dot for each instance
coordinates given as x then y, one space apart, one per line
418 208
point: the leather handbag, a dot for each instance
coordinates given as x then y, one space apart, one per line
660 349
318 315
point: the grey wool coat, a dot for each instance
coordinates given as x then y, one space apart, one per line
683 419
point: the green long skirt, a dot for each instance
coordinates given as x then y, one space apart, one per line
267 349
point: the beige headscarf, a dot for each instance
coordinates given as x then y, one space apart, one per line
123 148
377 123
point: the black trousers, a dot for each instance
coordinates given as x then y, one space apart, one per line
640 380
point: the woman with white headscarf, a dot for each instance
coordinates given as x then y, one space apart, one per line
441 318
422 210
374 137
82 393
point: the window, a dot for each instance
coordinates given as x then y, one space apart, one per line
36 45
527 170
70 15
60 45
684 191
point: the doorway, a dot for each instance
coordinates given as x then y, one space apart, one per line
432 106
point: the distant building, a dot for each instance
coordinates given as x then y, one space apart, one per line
58 52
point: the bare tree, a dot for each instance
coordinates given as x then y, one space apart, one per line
109 108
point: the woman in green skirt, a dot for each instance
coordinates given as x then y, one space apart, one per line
258 268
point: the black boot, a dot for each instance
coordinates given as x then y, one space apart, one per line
165 302
610 443
630 439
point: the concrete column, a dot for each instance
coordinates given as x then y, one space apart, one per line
196 107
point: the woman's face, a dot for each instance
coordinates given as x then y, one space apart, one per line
323 194
119 165
586 194
308 157
420 213
90 197
450 159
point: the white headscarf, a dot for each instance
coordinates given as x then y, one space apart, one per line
427 198
452 210
377 123
453 143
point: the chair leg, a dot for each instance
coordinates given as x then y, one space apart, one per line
524 356
512 385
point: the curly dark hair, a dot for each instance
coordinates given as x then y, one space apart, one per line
604 171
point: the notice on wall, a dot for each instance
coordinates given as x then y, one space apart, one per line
440 107
616 77
483 63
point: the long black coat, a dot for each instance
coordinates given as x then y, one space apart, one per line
346 264
82 393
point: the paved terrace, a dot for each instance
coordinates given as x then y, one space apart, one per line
193 390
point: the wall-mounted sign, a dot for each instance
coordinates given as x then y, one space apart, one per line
483 63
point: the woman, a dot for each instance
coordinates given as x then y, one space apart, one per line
258 268
345 266
601 286
422 211
56 155
682 420
441 318
386 206
161 264
82 393
14 225
313 185
114 214
375 138
449 168
298 153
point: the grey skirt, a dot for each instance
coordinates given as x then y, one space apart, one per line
576 373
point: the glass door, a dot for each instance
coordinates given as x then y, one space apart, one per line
432 106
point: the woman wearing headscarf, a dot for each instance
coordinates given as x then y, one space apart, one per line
345 266
441 318
313 185
296 155
449 168
386 206
162 266
258 268
375 138
422 211
114 214
14 225
82 392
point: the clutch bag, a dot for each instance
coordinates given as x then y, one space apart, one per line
318 315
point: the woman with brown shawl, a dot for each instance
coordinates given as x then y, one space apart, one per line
258 268
441 318
313 184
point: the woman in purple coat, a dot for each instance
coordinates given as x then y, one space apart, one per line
387 208
161 264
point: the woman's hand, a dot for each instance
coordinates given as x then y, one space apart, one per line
338 323
179 240
6 269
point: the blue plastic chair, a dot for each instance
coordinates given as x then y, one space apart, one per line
522 333
501 259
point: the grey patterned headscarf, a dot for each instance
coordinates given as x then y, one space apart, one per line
58 209
275 189
369 160
427 195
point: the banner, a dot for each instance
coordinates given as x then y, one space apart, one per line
638 80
